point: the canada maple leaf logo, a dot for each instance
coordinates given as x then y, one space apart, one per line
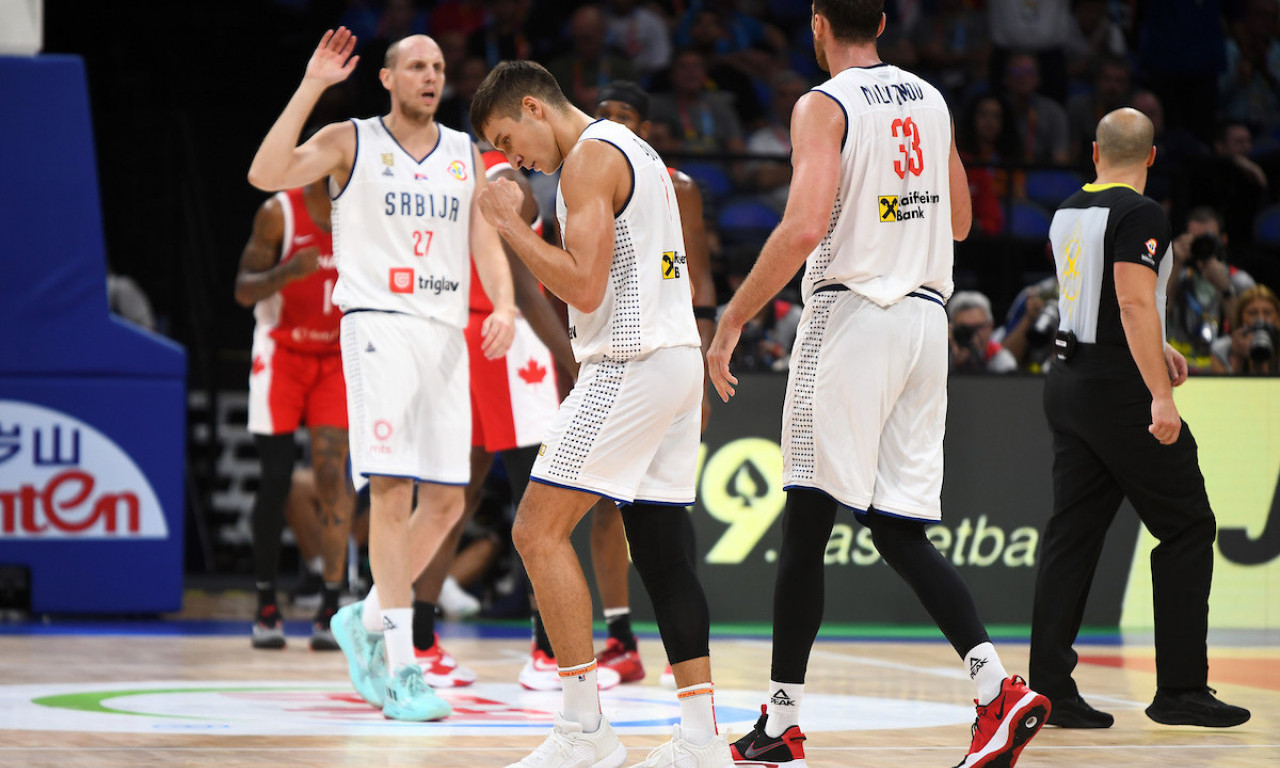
532 372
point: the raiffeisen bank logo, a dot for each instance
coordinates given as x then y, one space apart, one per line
61 478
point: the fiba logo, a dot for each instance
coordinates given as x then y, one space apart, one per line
401 280
458 170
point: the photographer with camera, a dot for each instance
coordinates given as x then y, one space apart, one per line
1251 347
1202 288
972 349
1030 326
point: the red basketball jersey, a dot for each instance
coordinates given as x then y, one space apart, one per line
302 316
494 161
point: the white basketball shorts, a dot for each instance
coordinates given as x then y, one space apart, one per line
866 404
629 430
408 399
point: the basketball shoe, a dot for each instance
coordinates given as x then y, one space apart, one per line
625 661
408 697
759 748
322 632
540 673
1005 725
366 663
268 630
681 753
569 747
440 669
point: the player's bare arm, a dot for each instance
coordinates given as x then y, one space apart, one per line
815 179
498 328
261 272
961 202
280 163
595 181
530 300
1136 294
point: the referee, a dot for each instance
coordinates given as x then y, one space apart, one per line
1116 434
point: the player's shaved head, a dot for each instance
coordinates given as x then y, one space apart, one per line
410 43
1125 137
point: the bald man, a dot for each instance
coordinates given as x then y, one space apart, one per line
405 227
1116 434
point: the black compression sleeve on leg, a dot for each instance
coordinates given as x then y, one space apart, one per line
937 584
276 453
798 590
660 550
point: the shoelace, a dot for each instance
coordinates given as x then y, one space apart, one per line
553 751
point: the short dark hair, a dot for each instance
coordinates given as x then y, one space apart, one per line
628 93
505 87
852 21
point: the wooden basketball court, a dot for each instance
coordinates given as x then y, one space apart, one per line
169 694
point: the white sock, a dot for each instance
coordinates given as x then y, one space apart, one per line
397 633
783 707
697 712
613 613
581 695
372 611
985 670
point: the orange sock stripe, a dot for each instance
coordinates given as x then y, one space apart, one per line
696 692
578 670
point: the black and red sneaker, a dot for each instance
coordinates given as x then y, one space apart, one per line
268 630
1005 725
759 749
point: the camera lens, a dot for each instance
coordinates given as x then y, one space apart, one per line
963 334
1261 343
1045 326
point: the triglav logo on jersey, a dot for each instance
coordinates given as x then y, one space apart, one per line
60 478
904 207
401 280
458 170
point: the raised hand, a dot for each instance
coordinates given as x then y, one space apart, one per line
332 62
500 202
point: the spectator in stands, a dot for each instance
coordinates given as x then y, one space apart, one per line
1041 122
588 66
1030 327
1111 90
1230 182
1249 89
503 36
952 48
455 109
1201 292
988 143
401 18
463 16
704 119
772 178
1181 51
1093 37
1251 347
640 34
972 348
730 68
1176 147
1038 28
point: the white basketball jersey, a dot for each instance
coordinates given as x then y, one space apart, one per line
647 303
401 226
890 230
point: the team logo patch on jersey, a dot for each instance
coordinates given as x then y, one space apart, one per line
671 262
458 170
1150 255
401 280
388 159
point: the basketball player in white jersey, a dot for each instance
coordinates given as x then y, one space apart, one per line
403 189
878 194
629 429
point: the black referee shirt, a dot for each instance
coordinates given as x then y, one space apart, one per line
1092 230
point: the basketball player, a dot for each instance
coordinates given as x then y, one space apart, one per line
878 194
1117 433
403 189
287 276
628 431
625 102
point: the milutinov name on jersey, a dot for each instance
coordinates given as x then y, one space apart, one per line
421 205
893 93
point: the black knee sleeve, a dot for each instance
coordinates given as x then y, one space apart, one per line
276 454
661 548
798 592
937 584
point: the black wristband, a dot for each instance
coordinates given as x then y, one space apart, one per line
704 313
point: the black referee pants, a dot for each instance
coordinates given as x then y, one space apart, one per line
1099 410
